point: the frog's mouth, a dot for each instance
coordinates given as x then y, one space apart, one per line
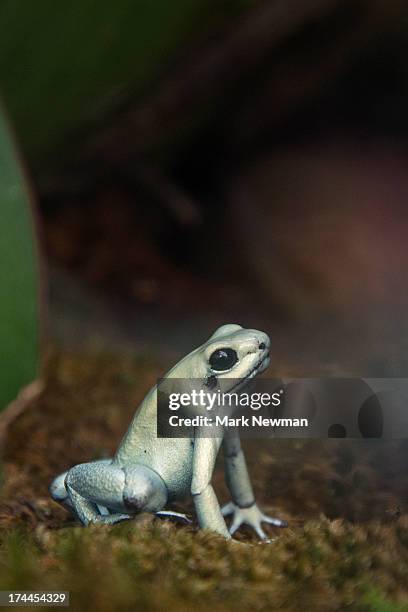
258 367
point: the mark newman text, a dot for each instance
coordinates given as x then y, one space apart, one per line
242 421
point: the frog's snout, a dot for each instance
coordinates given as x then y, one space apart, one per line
264 343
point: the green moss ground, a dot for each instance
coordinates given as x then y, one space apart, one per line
346 547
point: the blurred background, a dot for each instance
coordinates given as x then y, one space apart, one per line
203 162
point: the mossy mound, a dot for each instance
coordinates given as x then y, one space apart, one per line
346 546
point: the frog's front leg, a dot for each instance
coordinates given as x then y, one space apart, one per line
124 490
205 501
243 507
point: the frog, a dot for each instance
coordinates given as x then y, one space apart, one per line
147 472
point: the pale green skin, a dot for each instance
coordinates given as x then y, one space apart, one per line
147 472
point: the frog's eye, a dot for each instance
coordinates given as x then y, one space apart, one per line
223 359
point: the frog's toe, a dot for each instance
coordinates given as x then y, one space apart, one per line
260 532
274 521
236 523
228 509
177 516
111 519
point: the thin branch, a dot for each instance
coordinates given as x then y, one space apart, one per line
24 400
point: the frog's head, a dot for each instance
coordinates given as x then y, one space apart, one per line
232 353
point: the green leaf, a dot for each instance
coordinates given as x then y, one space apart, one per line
19 283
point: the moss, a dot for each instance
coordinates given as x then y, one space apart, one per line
318 563
157 565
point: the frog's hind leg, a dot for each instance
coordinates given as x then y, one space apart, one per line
88 512
60 494
125 491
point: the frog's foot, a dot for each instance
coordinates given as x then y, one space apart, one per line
251 516
110 519
177 516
